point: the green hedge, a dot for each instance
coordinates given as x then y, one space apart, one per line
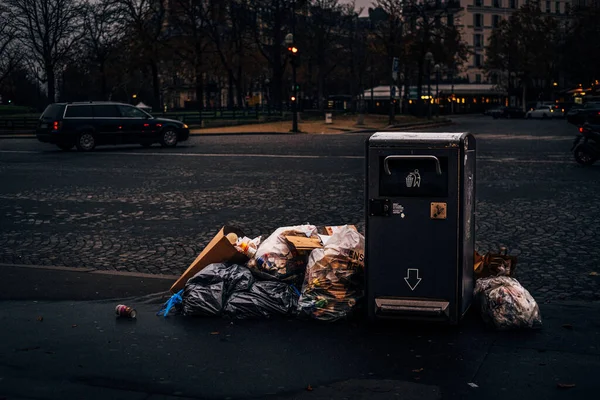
15 110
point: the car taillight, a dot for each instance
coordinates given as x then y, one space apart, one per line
56 125
580 129
158 125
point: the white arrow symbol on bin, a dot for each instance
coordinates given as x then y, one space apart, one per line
412 278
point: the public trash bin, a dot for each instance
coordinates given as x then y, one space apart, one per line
420 195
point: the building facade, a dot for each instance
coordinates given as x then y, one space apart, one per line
480 17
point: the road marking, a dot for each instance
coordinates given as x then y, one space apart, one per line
230 155
292 156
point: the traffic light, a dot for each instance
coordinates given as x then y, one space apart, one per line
293 50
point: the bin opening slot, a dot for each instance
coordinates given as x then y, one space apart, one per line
413 176
398 308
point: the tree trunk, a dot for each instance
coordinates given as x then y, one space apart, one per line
156 103
230 94
277 87
51 79
239 86
103 83
199 90
321 88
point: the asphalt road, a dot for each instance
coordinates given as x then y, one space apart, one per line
152 210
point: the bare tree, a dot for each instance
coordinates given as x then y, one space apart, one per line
102 34
146 22
48 30
10 55
191 43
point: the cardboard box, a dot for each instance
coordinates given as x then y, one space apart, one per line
302 243
220 249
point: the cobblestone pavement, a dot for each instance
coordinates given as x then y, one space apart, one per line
153 210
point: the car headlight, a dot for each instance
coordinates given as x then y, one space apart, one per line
185 126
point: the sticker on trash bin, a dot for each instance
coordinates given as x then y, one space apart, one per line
413 179
398 209
438 211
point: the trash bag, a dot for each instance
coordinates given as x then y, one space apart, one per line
505 304
277 259
334 279
264 299
206 293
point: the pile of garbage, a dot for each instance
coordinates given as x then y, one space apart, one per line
504 303
297 271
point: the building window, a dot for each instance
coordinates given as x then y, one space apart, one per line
478 60
557 7
547 6
478 3
478 20
478 40
496 3
495 21
450 21
513 4
478 78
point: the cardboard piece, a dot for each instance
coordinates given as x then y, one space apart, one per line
220 249
302 243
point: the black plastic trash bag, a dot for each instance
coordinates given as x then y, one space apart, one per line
263 300
206 293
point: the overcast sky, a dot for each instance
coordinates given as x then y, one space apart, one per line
361 4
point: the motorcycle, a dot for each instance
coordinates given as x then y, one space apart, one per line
586 147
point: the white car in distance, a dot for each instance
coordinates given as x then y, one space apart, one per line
544 112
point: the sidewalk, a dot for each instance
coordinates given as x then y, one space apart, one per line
78 349
341 124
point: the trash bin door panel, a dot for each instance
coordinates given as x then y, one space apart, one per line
414 252
413 175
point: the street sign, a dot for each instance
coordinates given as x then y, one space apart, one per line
395 68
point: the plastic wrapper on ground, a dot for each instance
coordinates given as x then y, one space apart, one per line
334 280
506 304
277 259
206 293
263 300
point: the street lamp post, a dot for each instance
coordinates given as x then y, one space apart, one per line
428 64
436 68
289 41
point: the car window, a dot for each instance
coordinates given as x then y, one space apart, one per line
76 111
131 112
53 111
106 111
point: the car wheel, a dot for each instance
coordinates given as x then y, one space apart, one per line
65 147
86 142
528 116
584 155
168 138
